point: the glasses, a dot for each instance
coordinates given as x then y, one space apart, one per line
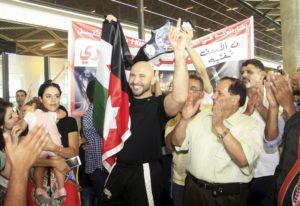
194 89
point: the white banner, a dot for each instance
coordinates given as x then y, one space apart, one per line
233 43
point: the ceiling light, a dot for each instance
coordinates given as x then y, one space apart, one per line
271 29
188 8
48 45
232 9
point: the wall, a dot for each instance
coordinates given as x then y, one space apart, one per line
24 72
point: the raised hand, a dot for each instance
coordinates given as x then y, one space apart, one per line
218 115
29 93
156 75
64 68
177 37
111 18
190 35
283 93
23 154
156 88
259 97
281 89
252 101
269 93
190 109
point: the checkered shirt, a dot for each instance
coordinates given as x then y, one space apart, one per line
93 156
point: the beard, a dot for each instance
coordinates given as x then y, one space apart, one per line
246 82
139 92
249 83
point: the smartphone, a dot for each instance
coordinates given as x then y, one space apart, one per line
73 162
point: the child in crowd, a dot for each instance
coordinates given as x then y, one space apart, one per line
34 115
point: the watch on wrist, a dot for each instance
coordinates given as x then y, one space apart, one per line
223 134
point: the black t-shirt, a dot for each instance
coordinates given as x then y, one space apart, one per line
148 119
65 126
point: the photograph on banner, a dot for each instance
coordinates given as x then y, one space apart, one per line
84 55
83 75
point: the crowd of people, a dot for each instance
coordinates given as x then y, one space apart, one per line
236 144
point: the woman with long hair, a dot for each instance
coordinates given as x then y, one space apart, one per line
49 94
8 124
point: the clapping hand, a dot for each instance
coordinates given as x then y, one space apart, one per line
189 108
218 115
252 101
283 93
270 95
23 154
281 89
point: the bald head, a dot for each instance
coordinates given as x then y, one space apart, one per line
141 78
144 67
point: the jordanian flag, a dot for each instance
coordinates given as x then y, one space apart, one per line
111 100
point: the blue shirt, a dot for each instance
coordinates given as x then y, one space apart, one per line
93 156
